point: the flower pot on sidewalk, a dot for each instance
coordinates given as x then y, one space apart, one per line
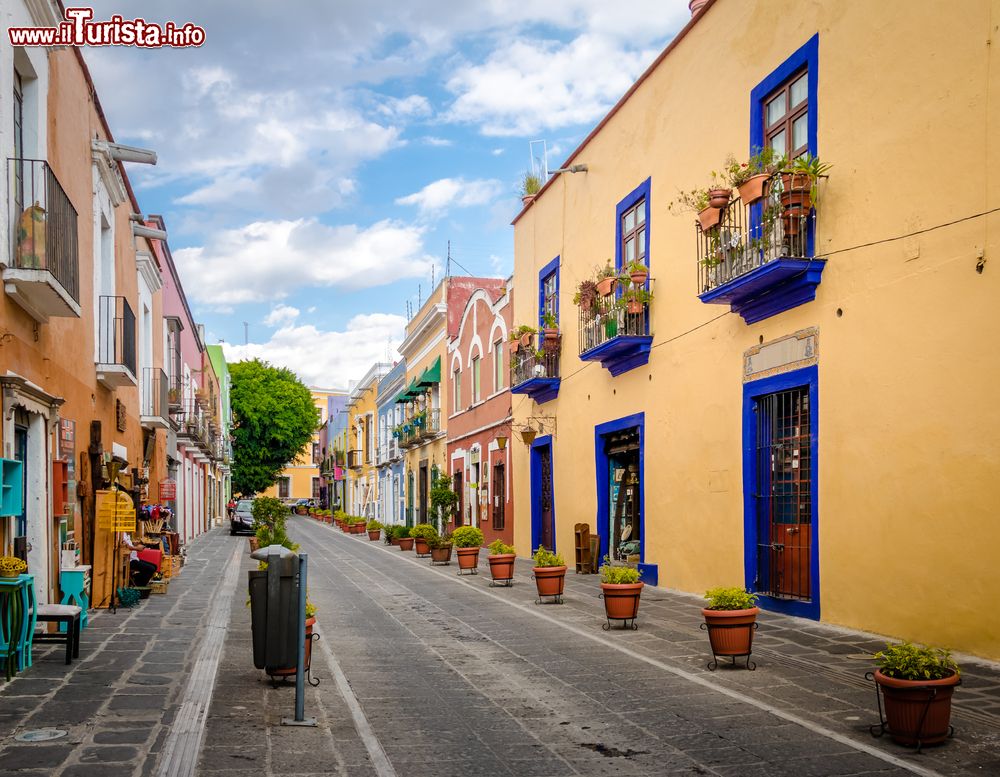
550 581
502 568
374 534
441 553
917 712
621 601
468 560
406 543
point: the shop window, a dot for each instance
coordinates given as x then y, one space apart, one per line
499 495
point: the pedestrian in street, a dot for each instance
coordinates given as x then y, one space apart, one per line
140 571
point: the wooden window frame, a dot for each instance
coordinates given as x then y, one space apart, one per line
550 296
791 114
640 205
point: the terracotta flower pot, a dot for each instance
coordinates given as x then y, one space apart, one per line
752 189
374 534
515 345
621 600
502 566
605 286
551 335
468 558
724 634
719 198
639 277
549 581
526 339
526 198
290 670
709 218
908 702
358 528
634 307
441 555
420 546
394 541
406 543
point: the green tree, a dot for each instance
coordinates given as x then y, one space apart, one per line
273 419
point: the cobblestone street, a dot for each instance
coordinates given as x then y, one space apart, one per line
424 672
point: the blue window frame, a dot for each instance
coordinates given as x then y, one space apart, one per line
769 466
639 195
548 290
543 498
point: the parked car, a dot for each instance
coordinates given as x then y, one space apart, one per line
302 506
242 520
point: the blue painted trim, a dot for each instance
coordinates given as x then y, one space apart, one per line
536 490
637 420
649 573
621 353
808 376
772 288
545 272
539 389
640 191
807 56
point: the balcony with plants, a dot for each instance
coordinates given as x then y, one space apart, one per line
614 322
154 412
43 272
534 360
115 342
756 249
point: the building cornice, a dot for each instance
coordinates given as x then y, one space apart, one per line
436 315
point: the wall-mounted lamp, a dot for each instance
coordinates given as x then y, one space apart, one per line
502 442
527 435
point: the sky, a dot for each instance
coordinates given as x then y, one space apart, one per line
316 158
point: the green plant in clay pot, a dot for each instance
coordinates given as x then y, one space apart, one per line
620 589
606 279
730 618
529 186
501 560
422 533
374 529
586 294
468 540
549 571
917 683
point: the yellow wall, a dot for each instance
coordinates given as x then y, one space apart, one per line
363 404
304 469
909 423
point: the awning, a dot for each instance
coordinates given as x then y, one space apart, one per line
413 390
432 374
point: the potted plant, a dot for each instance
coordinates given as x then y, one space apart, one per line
749 177
393 534
524 334
405 541
606 279
501 560
635 299
374 529
586 295
637 272
468 540
421 533
917 684
549 571
529 187
799 189
443 500
12 566
730 619
550 329
697 201
620 589
441 549
718 193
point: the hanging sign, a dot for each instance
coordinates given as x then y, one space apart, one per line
115 511
168 490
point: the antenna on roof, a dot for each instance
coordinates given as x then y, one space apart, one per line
447 265
539 160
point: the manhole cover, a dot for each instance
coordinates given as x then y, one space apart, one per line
40 735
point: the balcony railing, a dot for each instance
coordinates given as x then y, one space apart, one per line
44 267
154 411
759 258
115 342
535 373
354 459
430 424
616 333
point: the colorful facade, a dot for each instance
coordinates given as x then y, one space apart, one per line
389 456
362 437
479 406
790 411
300 479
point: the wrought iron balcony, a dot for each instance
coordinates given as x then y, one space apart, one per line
616 333
115 342
154 413
535 373
430 424
354 459
43 272
759 258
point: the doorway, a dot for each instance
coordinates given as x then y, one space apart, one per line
423 491
543 509
621 505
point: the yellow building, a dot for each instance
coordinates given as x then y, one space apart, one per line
301 479
362 443
808 404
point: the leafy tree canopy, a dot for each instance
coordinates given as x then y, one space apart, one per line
273 419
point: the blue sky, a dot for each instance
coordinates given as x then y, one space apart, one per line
316 158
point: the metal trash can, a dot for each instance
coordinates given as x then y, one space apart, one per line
274 601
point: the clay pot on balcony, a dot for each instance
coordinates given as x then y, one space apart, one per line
639 277
605 286
752 189
719 197
709 218
526 339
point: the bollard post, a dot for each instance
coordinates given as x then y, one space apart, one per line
300 666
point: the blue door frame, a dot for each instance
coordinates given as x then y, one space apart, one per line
806 377
537 447
636 421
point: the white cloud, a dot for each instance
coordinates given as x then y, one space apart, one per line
282 314
328 358
268 260
431 140
497 151
412 107
452 192
530 85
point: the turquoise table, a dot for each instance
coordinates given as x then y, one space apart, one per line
75 583
17 622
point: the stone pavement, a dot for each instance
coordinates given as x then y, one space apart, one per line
482 680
